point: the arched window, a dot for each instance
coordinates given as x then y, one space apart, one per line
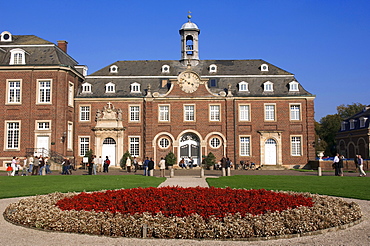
135 87
86 87
110 88
189 45
109 141
293 86
243 86
17 57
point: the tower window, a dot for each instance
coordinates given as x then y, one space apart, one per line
189 45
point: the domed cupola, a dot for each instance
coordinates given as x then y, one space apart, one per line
189 43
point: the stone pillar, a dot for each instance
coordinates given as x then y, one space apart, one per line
228 172
172 172
223 172
201 172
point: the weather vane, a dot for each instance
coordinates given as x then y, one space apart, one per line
189 16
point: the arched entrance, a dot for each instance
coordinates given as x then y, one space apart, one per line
109 149
190 147
270 152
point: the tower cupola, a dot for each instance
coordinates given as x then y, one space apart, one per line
189 43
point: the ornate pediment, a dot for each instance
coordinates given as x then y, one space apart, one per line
109 118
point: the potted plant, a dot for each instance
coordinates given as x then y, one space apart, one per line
122 162
209 161
170 159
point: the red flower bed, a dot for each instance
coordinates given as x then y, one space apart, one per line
176 201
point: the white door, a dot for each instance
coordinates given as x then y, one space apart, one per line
270 152
189 147
109 149
42 145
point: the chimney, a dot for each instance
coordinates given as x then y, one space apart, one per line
62 44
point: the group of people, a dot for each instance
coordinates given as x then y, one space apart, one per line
37 165
186 163
338 165
98 165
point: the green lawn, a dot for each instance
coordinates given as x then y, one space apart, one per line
36 185
351 187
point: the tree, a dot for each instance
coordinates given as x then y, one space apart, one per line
329 125
210 160
346 111
170 159
122 162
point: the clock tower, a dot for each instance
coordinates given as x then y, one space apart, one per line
189 43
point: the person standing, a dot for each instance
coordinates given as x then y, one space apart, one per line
223 165
356 162
30 162
47 165
136 164
128 164
95 164
340 166
65 166
162 166
13 165
191 161
106 164
24 167
100 164
335 164
150 167
90 165
361 166
35 169
145 166
41 165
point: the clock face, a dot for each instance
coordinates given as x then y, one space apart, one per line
188 81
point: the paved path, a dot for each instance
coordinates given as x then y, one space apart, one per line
16 235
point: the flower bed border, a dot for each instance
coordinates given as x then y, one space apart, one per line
333 213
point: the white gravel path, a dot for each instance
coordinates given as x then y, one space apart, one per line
16 235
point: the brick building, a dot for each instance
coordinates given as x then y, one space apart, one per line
354 136
243 109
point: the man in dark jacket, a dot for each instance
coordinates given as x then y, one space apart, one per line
151 167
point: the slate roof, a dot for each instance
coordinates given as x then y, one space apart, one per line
228 72
36 53
365 113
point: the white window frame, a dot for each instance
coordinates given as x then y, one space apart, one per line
164 112
270 112
43 125
214 112
268 86
352 124
264 68
3 39
215 142
83 146
134 113
245 146
69 135
363 121
12 135
85 113
296 145
294 86
110 87
134 145
113 69
165 69
14 91
244 112
17 57
243 86
343 126
295 112
212 68
86 88
44 91
135 87
189 112
71 89
164 143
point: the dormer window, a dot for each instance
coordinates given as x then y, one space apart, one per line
343 126
113 69
363 121
352 124
243 86
165 69
268 86
293 86
6 37
86 88
110 88
17 57
264 68
213 68
135 87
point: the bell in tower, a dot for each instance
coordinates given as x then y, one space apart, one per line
189 43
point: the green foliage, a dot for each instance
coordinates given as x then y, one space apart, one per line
89 154
346 111
122 162
170 159
210 160
351 187
19 186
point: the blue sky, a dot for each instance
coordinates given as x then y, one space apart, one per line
325 43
